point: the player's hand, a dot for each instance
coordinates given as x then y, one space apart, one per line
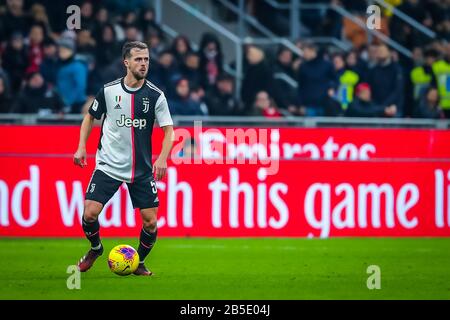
79 158
159 168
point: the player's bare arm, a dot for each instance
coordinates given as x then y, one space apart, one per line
79 158
160 165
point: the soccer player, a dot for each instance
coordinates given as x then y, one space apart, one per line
131 105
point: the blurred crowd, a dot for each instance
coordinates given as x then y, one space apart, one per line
45 68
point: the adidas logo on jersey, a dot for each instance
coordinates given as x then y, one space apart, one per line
118 107
128 122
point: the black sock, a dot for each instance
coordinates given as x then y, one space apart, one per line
92 232
146 242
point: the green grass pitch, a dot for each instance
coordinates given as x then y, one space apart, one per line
202 268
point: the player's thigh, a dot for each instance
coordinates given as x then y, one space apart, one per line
143 194
101 188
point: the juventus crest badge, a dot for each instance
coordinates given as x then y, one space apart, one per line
146 104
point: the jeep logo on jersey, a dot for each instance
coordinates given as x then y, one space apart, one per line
146 104
128 122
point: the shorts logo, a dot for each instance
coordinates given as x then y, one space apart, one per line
146 104
95 105
92 188
153 184
128 122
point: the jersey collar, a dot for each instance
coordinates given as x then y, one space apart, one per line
122 82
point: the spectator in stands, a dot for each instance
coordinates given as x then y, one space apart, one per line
443 30
15 61
441 70
371 55
134 20
71 78
49 65
422 76
190 68
5 99
211 59
439 11
4 75
429 107
101 20
155 43
165 73
132 33
87 15
39 16
220 99
37 97
86 46
364 106
182 103
386 80
257 77
147 23
198 94
265 106
180 48
129 18
356 64
315 77
14 20
347 81
107 49
87 49
284 83
35 47
69 35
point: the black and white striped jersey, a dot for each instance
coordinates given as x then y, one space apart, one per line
125 147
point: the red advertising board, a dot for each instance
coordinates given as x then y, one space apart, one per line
330 143
401 189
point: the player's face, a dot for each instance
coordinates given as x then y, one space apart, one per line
138 63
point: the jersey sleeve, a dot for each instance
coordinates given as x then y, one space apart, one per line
98 106
162 112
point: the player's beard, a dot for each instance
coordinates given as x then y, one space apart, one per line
138 75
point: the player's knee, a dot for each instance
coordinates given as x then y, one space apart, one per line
91 211
150 224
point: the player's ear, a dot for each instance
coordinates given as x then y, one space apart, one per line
125 62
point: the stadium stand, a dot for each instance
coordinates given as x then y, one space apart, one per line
60 70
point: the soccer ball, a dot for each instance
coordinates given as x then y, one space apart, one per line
123 260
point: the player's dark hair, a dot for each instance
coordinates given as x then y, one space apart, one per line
128 46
